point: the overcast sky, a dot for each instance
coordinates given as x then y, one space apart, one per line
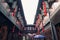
29 8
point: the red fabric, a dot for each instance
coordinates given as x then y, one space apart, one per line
44 6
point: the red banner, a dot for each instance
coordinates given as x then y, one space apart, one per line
44 9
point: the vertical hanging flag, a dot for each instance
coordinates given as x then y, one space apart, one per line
44 8
38 21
